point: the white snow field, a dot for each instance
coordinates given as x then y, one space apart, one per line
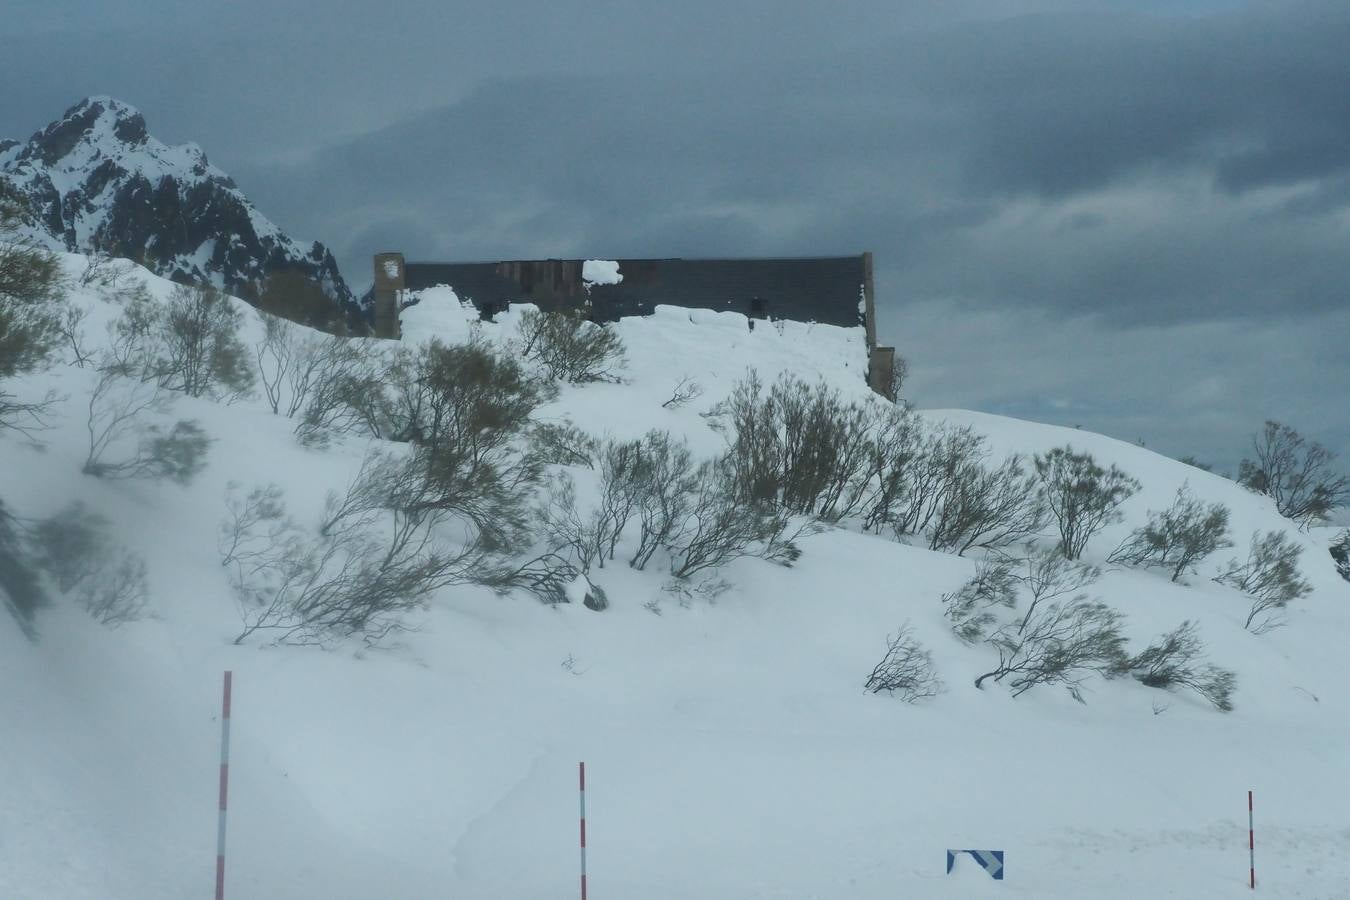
731 751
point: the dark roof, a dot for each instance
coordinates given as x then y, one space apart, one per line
811 289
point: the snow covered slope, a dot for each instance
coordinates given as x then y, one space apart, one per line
731 751
98 181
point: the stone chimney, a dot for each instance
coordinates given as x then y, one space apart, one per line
389 285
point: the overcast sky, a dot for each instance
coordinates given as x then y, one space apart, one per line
1129 216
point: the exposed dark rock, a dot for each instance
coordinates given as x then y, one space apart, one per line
97 181
1340 552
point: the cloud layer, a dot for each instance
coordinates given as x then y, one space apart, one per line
1129 216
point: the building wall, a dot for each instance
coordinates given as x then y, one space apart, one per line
390 282
831 290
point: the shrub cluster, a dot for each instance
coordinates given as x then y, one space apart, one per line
1177 538
654 493
1082 496
378 554
1063 636
20 585
906 670
189 344
1299 475
32 308
569 347
807 450
1270 576
1177 661
74 550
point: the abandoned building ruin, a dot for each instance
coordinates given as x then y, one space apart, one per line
832 290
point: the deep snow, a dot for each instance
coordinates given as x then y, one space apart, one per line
731 751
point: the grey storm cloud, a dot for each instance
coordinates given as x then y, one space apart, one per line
1098 212
993 162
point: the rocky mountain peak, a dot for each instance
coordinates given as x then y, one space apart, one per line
93 121
98 181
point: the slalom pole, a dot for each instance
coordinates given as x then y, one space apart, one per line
224 787
1251 840
581 768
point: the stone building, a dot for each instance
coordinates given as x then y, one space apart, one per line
834 290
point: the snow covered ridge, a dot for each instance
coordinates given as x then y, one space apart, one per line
731 750
97 180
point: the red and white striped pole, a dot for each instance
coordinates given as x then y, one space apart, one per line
1251 839
224 787
582 769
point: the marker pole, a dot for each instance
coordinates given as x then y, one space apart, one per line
224 787
1251 840
581 768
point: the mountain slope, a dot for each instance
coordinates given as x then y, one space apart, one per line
731 752
97 180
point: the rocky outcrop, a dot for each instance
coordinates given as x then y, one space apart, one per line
98 181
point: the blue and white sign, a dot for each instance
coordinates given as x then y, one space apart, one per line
990 860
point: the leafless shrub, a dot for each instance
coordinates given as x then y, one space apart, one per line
942 458
1196 464
688 592
987 508
466 410
626 477
98 270
275 355
897 439
71 327
1270 576
71 545
120 594
74 549
685 390
190 343
32 306
906 670
667 502
1177 661
593 538
548 576
1178 537
826 448
200 352
800 446
110 277
1083 497
1048 576
331 379
568 347
899 375
1062 643
377 558
118 409
970 609
567 532
690 511
722 527
563 444
1297 474
21 586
